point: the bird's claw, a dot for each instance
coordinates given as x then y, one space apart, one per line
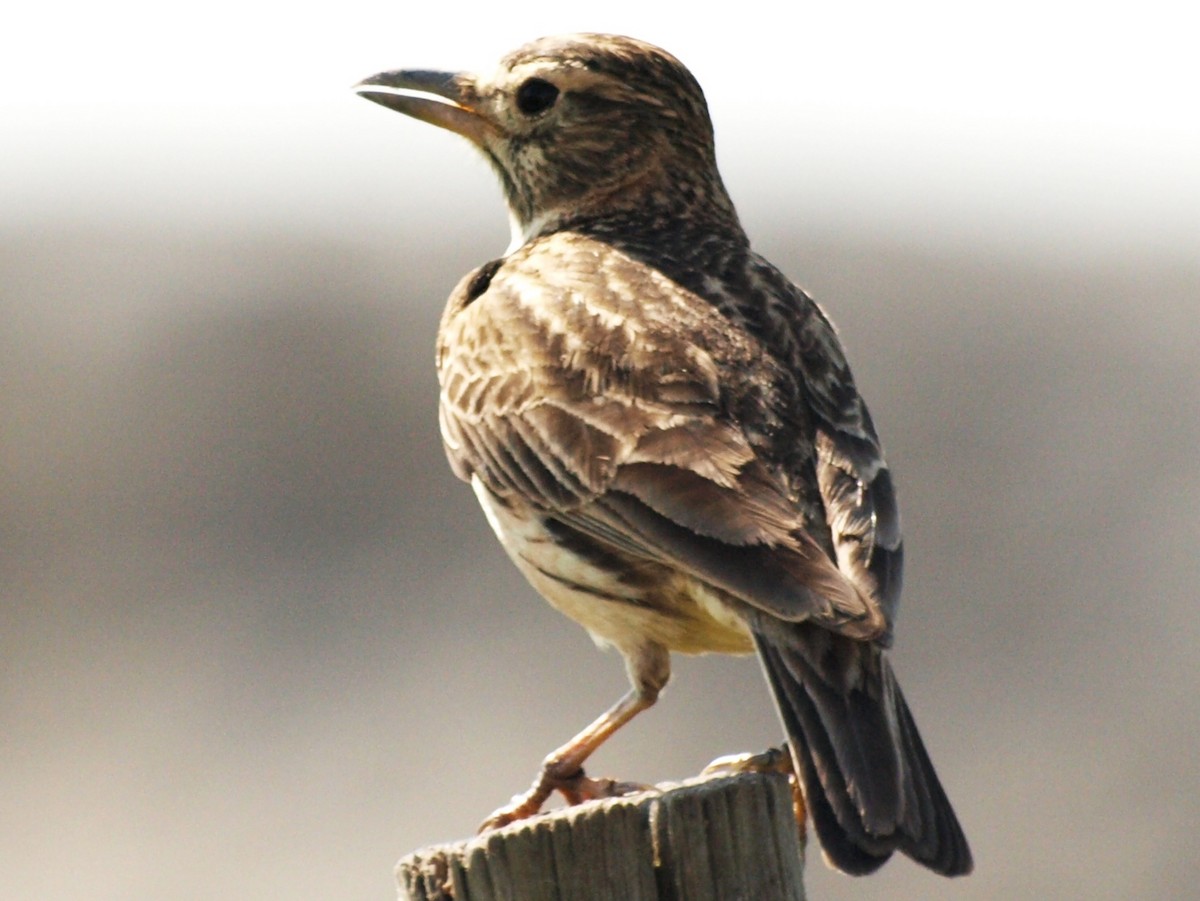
575 789
772 760
521 807
583 788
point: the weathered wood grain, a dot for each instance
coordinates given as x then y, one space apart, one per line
727 838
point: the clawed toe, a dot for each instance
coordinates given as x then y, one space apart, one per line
575 789
583 788
521 807
772 760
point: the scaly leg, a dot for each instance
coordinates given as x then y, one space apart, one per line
649 669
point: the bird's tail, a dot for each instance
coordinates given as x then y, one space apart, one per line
867 779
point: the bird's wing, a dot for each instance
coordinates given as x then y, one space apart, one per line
589 387
855 483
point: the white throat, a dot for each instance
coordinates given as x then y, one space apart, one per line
522 235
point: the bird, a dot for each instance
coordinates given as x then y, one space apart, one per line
665 436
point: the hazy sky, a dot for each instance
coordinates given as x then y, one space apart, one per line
926 111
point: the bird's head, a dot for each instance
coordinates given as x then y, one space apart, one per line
578 127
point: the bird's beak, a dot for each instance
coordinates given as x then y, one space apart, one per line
443 99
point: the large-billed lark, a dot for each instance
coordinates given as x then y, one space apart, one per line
665 435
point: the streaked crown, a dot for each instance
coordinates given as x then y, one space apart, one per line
580 127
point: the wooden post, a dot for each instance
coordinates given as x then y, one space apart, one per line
717 839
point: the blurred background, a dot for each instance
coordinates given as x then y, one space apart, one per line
257 642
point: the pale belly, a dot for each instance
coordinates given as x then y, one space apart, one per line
663 607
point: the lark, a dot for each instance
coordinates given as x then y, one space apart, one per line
665 436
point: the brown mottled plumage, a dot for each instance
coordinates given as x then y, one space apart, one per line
664 433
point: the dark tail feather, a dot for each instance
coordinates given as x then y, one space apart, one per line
867 779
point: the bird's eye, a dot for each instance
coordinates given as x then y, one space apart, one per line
536 96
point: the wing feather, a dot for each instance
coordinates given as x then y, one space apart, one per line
617 405
852 474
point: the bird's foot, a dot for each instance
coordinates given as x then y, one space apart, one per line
772 760
575 789
584 788
519 808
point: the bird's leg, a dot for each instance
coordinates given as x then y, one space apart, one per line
562 771
772 760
